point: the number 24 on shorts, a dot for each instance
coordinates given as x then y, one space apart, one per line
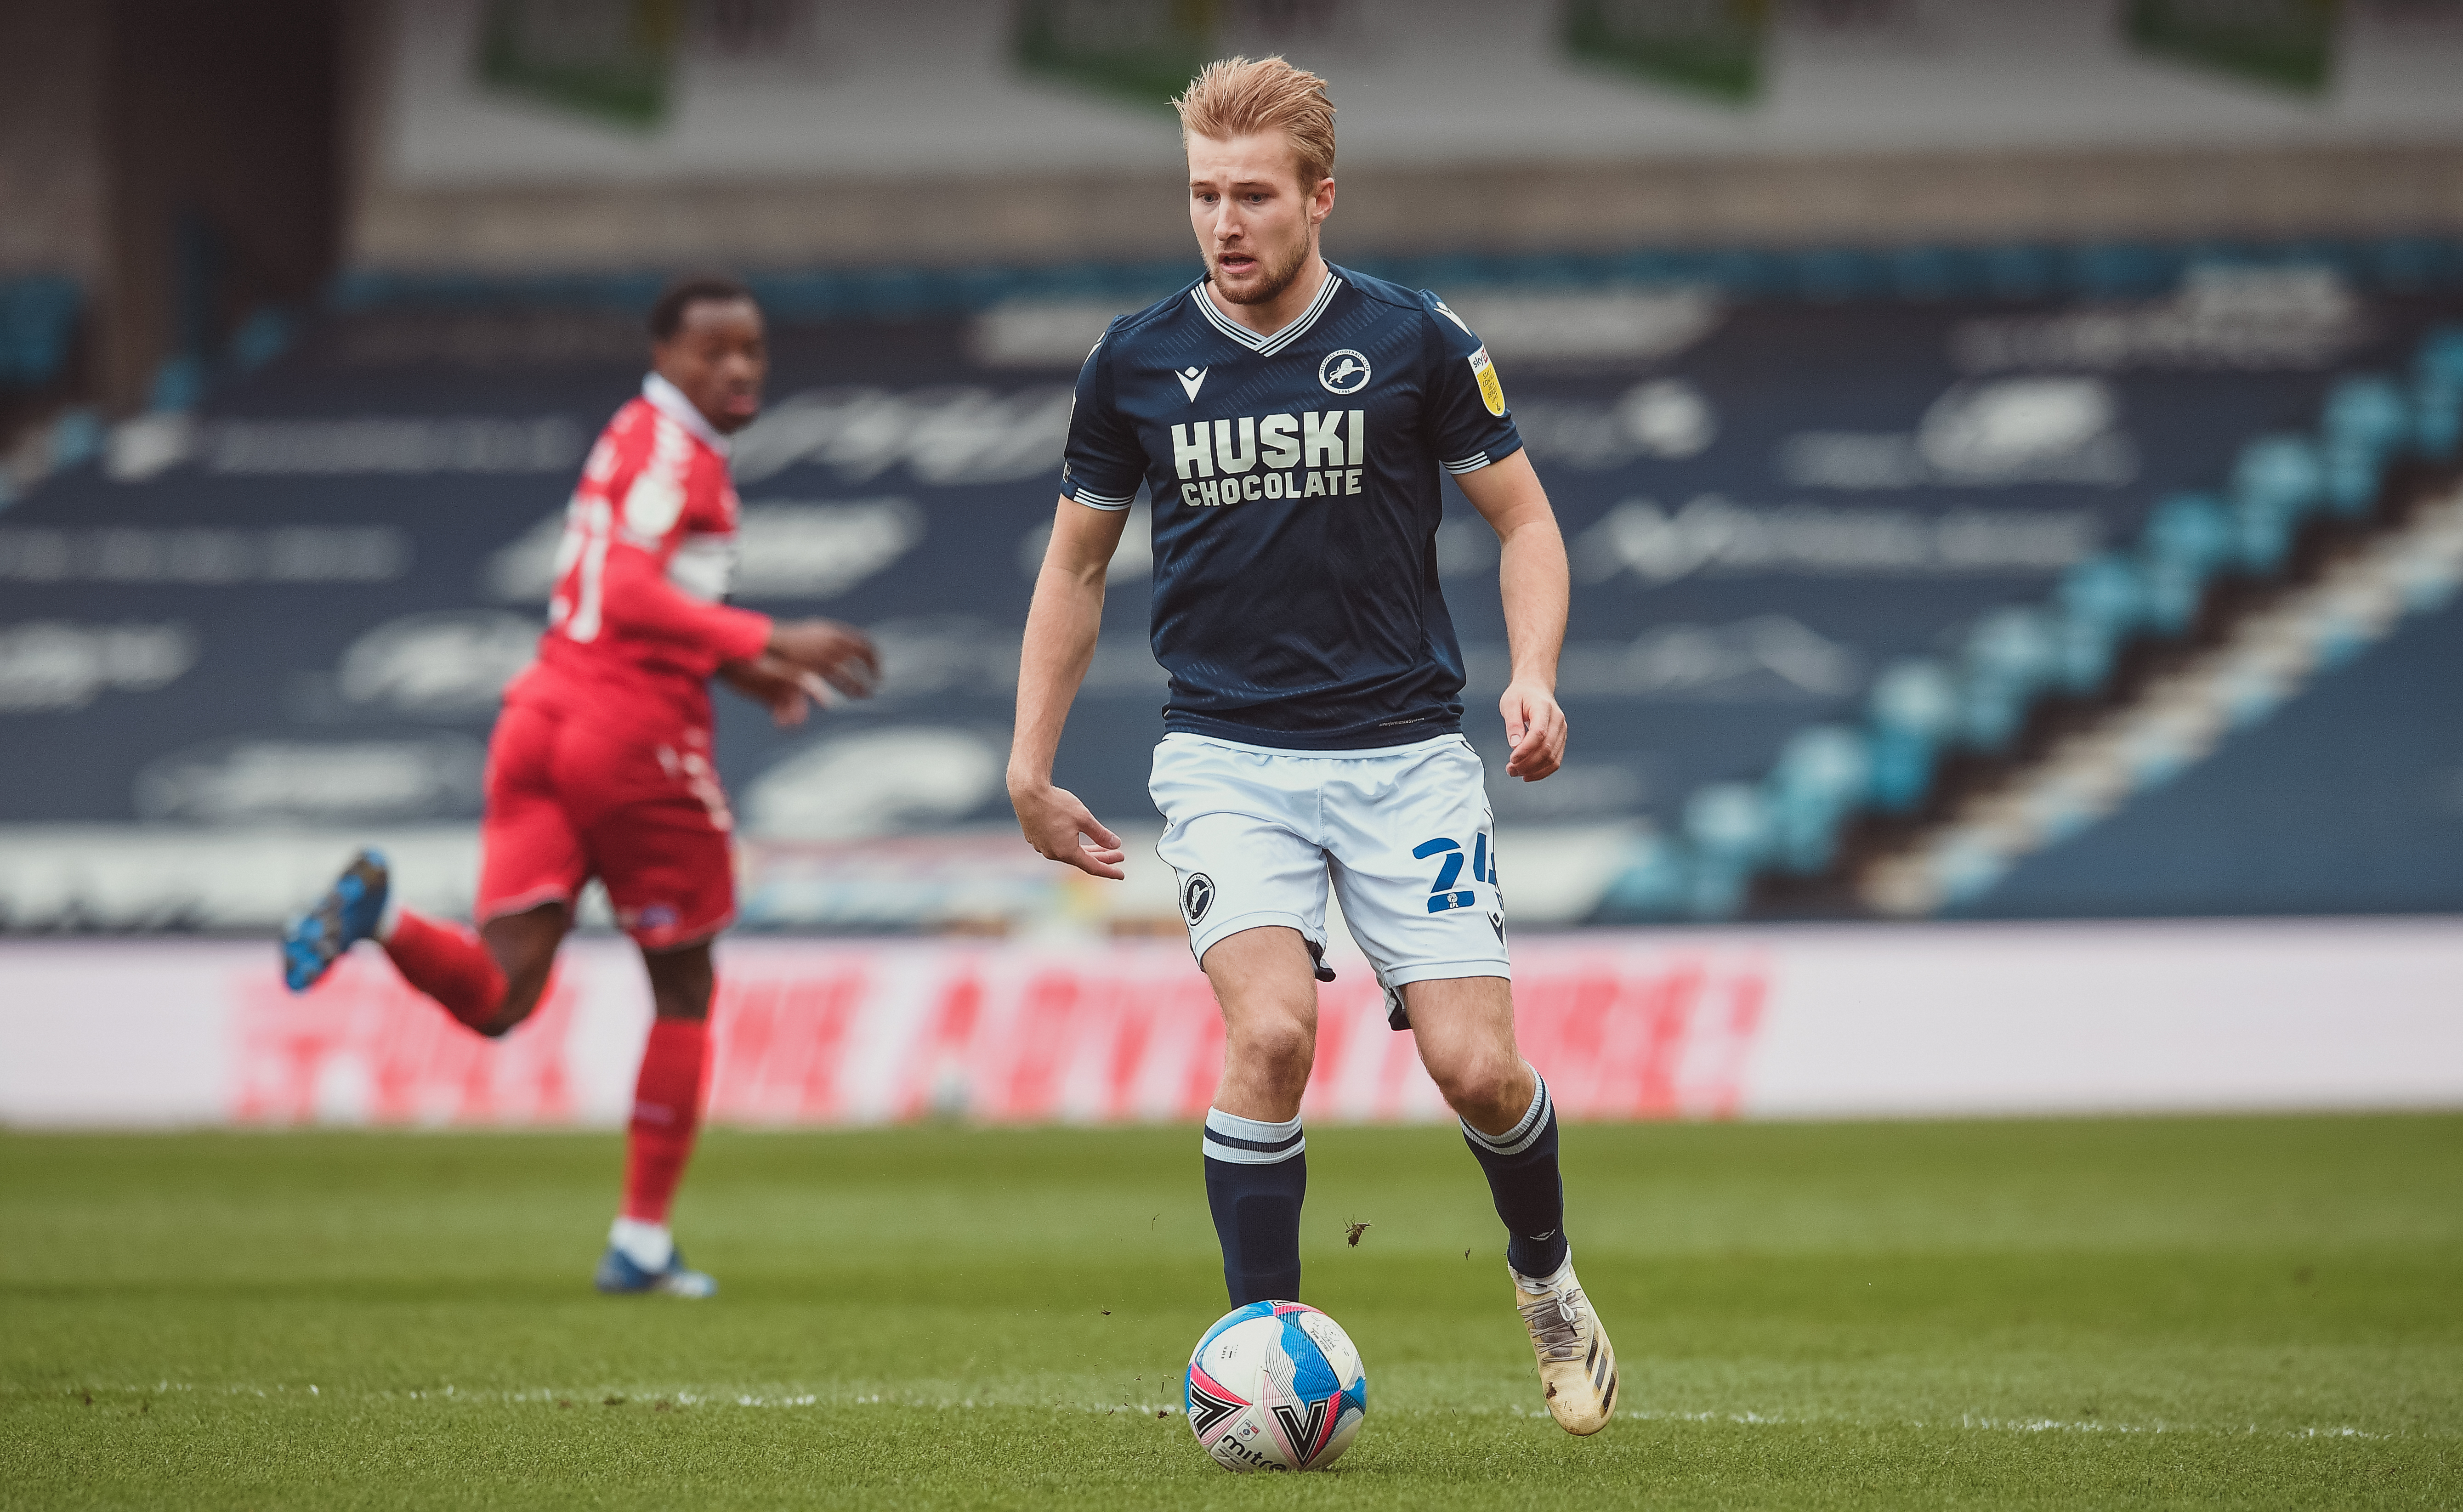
1443 896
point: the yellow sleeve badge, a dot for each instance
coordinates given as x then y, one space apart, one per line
1492 392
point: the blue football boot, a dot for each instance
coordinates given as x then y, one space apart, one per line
346 915
619 1273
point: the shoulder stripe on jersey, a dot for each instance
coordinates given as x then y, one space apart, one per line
1266 346
1471 463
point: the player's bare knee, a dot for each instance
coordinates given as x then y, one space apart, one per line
1482 1085
1276 1047
521 998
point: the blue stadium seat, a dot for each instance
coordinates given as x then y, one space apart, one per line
76 439
1832 274
2284 472
2190 531
2105 591
38 316
2021 272
1729 824
179 384
1823 773
2354 472
2438 417
2010 655
1912 710
2122 269
1656 882
2441 353
2437 393
1933 273
2367 415
1916 697
2015 645
264 336
2173 593
2263 534
1733 832
2082 648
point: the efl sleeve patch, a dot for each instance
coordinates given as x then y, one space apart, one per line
1492 392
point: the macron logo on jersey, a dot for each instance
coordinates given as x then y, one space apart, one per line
1191 379
1301 456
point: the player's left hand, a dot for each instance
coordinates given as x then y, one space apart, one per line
776 684
1536 728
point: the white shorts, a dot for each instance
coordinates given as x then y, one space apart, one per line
1403 833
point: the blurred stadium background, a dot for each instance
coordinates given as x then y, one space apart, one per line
2008 451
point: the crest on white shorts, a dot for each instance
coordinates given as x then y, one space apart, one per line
1196 896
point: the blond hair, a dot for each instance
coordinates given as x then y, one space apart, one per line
1238 97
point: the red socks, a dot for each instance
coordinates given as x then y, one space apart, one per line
449 963
667 1112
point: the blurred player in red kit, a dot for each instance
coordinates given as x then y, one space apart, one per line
601 764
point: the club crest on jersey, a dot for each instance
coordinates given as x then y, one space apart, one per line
1196 896
1492 392
1344 371
1191 379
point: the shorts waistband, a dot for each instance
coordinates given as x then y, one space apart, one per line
1449 738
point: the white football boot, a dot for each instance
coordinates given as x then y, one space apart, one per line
1577 1362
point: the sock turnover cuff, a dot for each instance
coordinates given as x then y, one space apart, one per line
1250 1141
1523 1135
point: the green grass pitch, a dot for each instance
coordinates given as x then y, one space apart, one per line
2202 1313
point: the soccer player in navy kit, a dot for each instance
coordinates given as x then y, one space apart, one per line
1288 420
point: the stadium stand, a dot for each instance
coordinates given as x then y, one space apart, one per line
38 316
1835 517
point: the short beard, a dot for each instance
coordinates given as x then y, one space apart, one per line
1271 285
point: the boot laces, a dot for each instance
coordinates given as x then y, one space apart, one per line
1556 1322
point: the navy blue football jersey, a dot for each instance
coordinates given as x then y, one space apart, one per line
1294 478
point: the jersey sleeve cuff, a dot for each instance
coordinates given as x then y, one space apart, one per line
744 634
1093 500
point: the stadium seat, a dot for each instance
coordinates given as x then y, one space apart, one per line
1833 274
2441 353
2021 272
2263 534
2009 655
1655 882
179 384
1912 710
2437 394
2015 646
38 316
2367 415
2437 418
2284 472
2190 531
1731 825
1823 773
2084 647
262 337
2122 269
2354 472
2105 591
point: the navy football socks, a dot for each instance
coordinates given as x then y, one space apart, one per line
1530 1195
1256 1175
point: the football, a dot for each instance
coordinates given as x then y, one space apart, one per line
1276 1386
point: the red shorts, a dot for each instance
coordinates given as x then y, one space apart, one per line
572 796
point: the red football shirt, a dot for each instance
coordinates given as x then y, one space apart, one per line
635 626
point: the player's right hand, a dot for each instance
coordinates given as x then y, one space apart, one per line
843 656
1059 826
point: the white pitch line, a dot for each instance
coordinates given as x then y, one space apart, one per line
722 1396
